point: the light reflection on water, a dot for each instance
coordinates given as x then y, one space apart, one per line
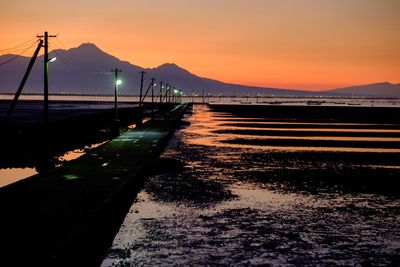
76 153
12 175
202 133
239 206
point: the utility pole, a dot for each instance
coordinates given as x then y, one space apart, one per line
166 92
115 123
152 96
21 86
139 121
116 83
161 86
46 37
152 90
45 162
142 72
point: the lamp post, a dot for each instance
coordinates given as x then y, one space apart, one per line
175 95
117 82
161 87
115 125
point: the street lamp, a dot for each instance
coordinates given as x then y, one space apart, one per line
117 82
115 125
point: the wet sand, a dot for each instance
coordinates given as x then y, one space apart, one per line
379 115
256 205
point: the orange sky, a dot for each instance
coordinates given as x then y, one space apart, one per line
300 44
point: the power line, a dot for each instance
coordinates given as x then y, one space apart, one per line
78 60
17 50
16 56
74 66
19 46
75 63
70 57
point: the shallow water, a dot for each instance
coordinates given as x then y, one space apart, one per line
255 205
12 175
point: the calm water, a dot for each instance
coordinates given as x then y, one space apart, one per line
235 204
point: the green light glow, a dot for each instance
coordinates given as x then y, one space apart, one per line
70 176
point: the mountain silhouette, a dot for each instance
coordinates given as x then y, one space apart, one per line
86 69
383 89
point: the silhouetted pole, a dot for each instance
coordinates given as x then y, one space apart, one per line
46 78
116 82
152 97
152 90
115 123
141 87
139 121
161 86
166 92
45 162
21 86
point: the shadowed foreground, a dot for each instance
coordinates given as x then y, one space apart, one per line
68 216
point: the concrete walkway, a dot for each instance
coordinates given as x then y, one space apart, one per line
69 215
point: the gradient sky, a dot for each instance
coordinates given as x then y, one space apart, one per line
300 44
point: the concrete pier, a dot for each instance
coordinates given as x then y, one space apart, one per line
68 216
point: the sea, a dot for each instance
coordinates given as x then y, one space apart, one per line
259 191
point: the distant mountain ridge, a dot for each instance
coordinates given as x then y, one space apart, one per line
86 69
383 89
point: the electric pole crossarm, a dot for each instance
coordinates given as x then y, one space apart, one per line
46 37
21 86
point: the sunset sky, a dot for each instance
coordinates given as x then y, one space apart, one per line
299 44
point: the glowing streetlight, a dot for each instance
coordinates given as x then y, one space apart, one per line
117 82
115 127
